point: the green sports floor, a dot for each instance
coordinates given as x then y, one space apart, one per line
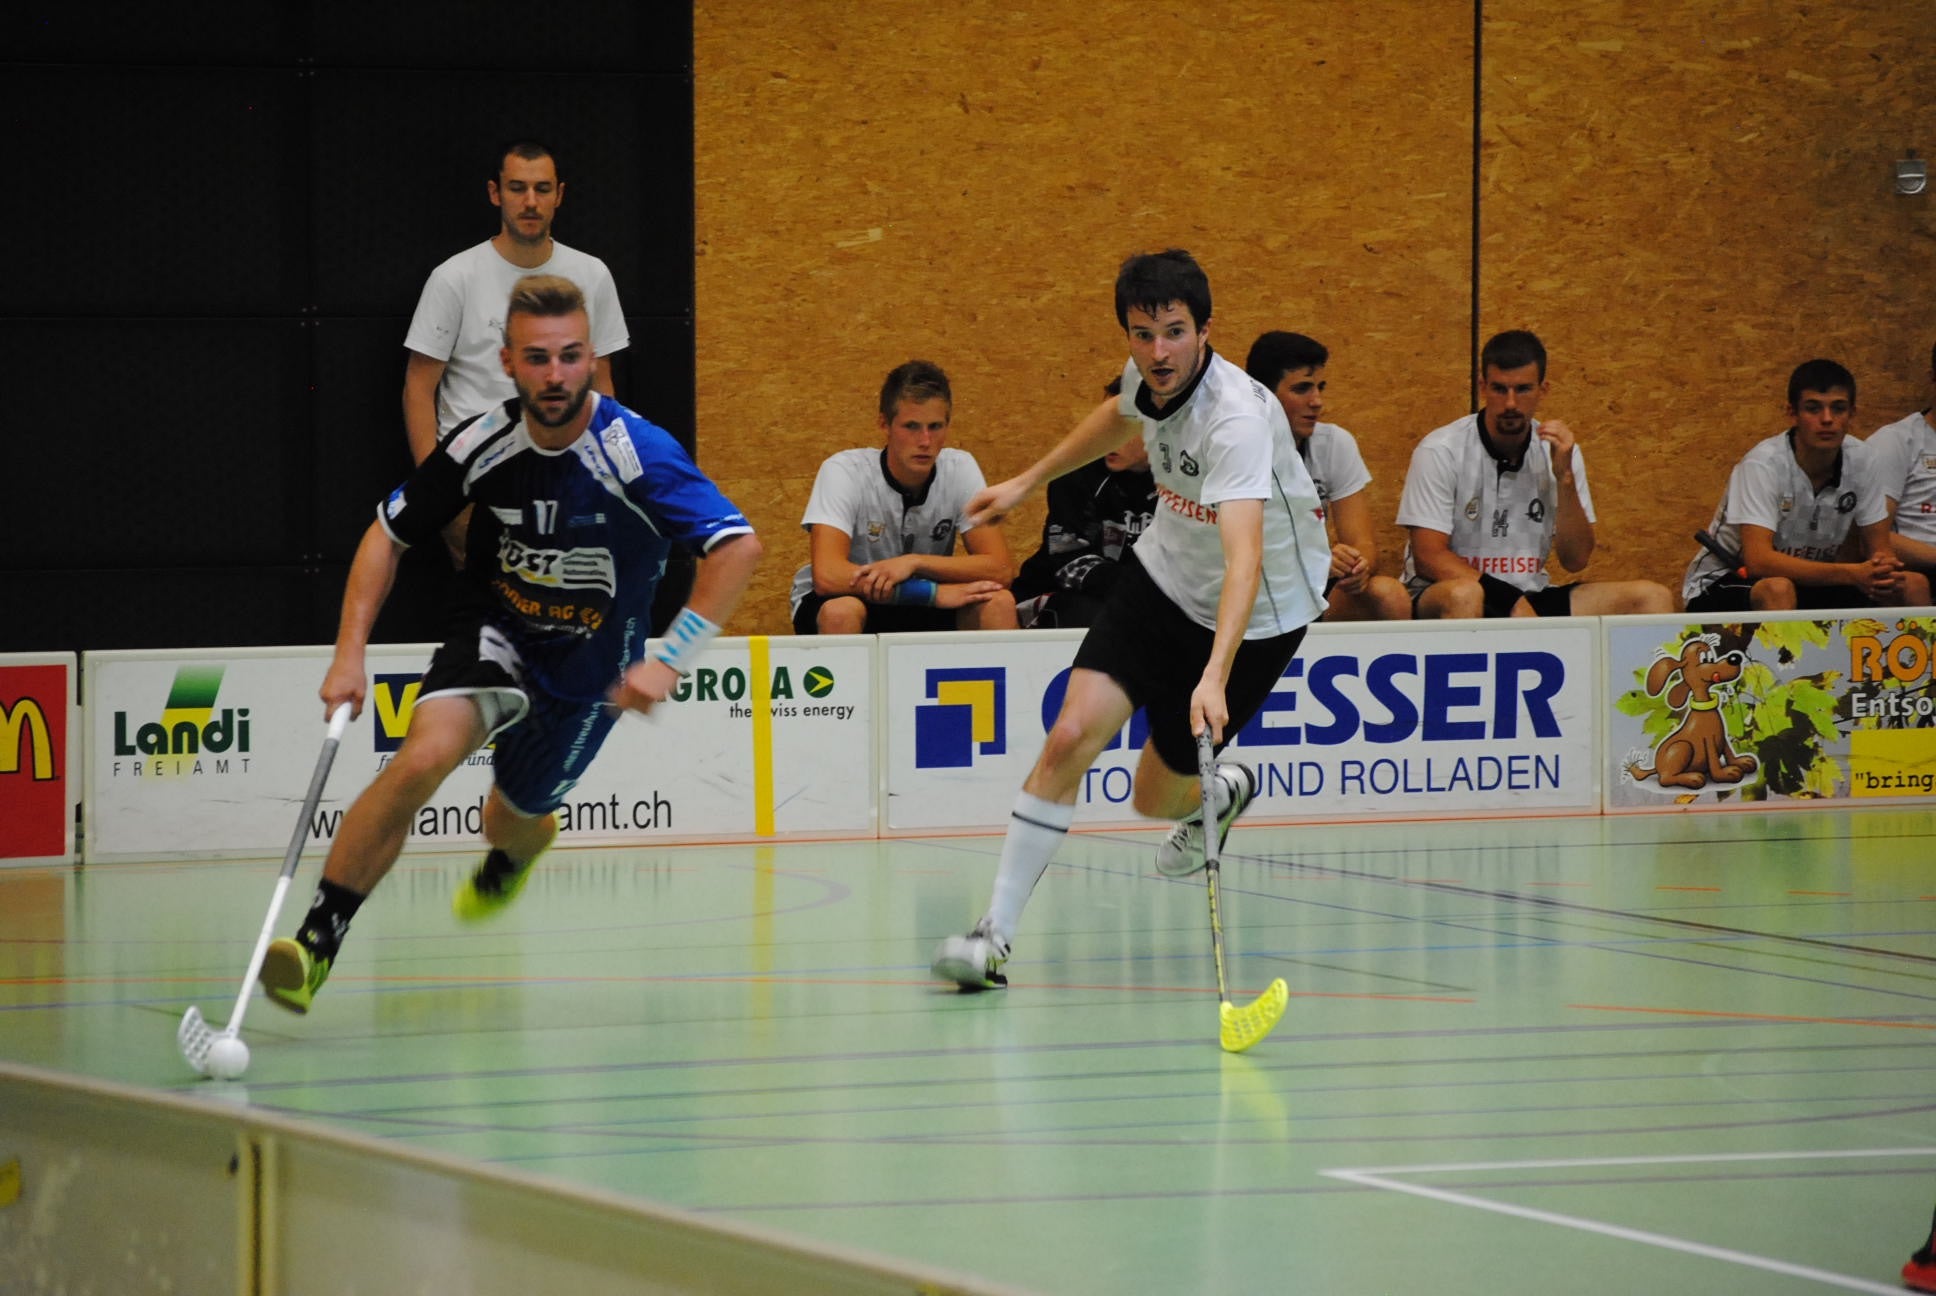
1656 1054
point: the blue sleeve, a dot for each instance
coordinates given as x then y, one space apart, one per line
682 502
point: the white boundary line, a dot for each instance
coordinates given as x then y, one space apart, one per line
1378 1177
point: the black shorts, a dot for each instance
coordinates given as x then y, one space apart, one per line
1554 600
544 743
1733 593
1156 655
882 618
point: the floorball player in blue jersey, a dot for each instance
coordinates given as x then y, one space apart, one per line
577 501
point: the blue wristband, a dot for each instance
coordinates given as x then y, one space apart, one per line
915 592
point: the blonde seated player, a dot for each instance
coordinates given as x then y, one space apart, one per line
882 526
1905 456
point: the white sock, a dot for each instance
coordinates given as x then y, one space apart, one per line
1035 831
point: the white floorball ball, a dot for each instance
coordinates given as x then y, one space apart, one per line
228 1058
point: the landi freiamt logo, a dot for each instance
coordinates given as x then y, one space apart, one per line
189 737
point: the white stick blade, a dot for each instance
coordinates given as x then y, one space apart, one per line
195 1038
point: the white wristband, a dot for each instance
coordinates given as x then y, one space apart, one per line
684 640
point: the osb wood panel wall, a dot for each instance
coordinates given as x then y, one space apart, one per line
960 183
1687 205
1684 206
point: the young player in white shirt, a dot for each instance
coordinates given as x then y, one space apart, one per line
1790 504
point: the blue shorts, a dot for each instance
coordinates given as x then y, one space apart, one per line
544 743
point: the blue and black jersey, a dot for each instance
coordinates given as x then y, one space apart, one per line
566 546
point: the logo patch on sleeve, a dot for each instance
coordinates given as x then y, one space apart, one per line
624 457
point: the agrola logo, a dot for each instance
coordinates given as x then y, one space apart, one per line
706 684
190 737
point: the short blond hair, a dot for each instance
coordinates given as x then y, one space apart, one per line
542 295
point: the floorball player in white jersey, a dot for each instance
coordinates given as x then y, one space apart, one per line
1490 497
1209 610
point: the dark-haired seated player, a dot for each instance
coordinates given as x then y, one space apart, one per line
1291 367
1095 514
1790 504
882 525
578 502
1489 498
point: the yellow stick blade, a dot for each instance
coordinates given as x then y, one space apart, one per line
1242 1026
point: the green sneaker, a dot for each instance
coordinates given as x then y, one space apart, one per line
292 974
491 889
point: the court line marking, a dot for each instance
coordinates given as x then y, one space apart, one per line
1748 1016
1380 1177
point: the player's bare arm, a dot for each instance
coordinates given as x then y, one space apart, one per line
1572 533
717 587
421 374
602 377
1240 530
986 561
372 572
1914 553
1101 430
1356 552
1762 559
1432 556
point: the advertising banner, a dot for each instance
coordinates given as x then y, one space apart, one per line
209 753
1368 721
38 793
1795 707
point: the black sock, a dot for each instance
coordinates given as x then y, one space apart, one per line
329 919
497 869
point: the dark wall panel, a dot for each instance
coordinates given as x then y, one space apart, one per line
165 607
210 32
592 35
157 193
185 444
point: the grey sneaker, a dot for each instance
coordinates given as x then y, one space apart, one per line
1181 853
972 961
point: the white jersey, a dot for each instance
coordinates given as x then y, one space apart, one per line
1905 465
1500 519
1337 468
460 320
1769 489
1227 439
852 493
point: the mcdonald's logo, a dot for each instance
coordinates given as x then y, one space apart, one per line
23 727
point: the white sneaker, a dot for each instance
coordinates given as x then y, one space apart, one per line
1181 853
972 961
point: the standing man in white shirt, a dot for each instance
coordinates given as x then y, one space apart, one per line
453 369
1905 463
1208 611
1490 497
1291 368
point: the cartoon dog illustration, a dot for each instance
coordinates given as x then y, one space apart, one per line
1697 751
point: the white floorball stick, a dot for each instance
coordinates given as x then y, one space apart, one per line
222 1053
